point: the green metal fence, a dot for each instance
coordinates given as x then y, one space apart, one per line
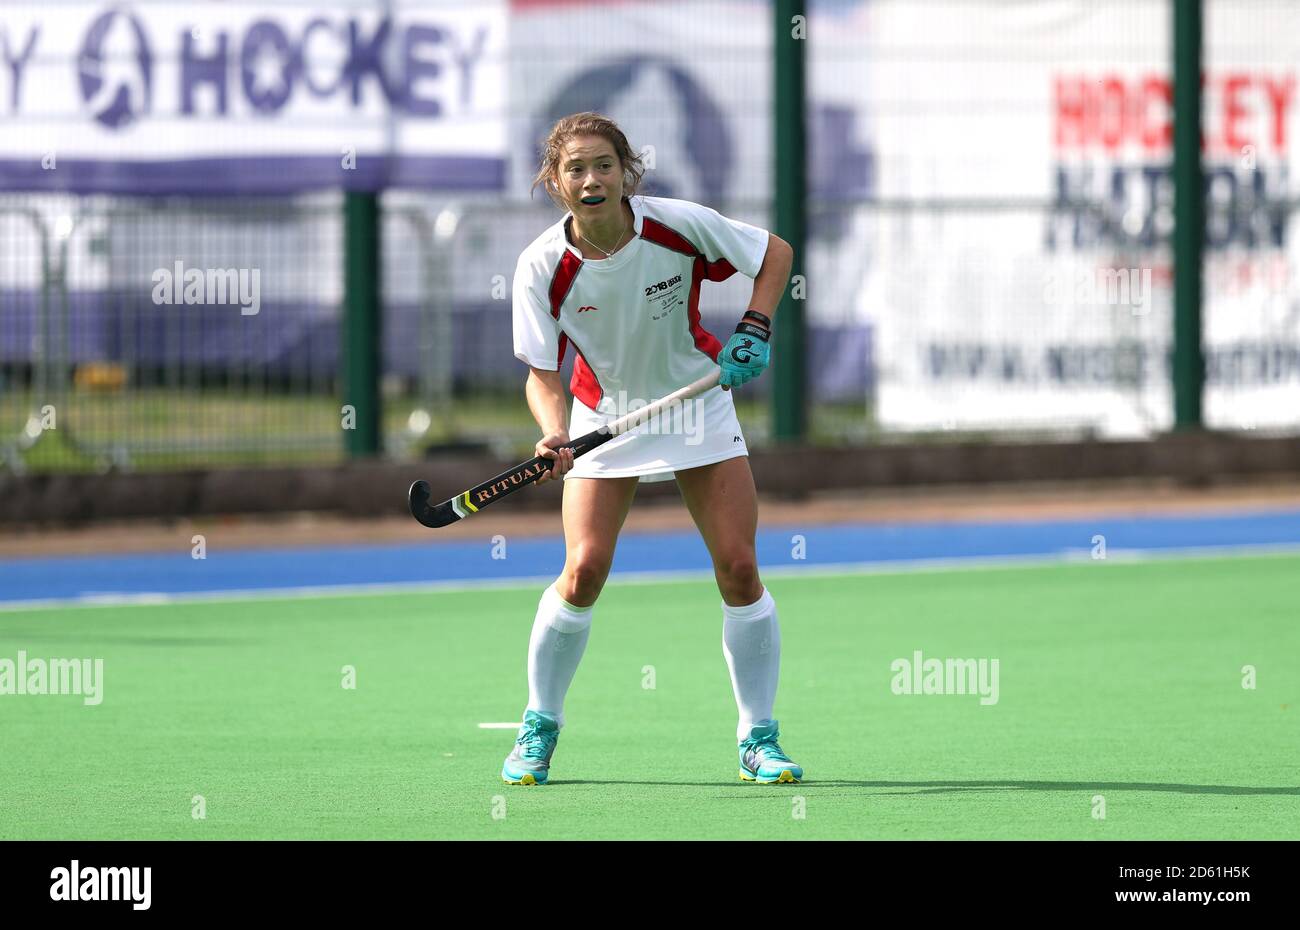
129 382
917 310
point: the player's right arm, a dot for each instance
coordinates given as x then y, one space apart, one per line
537 344
548 404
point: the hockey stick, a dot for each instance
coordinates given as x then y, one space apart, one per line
524 474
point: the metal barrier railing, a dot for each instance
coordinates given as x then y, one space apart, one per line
91 346
170 333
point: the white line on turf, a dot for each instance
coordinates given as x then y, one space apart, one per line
901 567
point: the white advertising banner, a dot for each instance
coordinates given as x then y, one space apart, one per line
1020 317
231 97
1010 258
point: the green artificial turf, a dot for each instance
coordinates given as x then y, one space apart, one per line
1116 680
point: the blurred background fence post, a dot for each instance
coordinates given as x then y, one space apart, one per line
790 199
1189 216
363 423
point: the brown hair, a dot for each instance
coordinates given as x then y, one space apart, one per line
586 124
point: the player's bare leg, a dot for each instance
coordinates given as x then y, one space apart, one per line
724 504
594 510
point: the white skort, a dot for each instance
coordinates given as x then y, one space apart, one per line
703 430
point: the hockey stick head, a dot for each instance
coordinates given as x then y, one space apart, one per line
433 517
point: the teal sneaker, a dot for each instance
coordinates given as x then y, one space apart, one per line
530 761
761 758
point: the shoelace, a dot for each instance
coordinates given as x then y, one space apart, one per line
768 749
536 742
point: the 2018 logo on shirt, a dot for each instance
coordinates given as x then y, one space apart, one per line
654 289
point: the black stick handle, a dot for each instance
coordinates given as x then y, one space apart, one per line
526 473
520 476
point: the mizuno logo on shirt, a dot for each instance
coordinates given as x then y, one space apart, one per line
585 309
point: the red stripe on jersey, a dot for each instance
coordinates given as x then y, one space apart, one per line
702 270
669 238
720 270
584 384
565 272
705 341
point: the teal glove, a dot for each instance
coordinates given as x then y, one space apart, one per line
744 356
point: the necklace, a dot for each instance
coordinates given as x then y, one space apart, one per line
609 254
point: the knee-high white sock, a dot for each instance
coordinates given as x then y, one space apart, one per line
751 641
559 638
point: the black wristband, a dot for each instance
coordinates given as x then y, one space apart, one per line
749 329
757 318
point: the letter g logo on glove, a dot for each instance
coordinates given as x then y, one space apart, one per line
744 356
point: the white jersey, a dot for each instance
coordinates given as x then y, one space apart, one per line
634 320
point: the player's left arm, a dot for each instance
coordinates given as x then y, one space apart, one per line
748 351
772 277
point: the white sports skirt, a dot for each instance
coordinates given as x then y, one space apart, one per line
703 430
